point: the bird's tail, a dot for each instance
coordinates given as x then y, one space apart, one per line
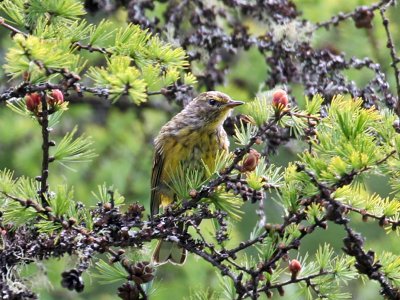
167 251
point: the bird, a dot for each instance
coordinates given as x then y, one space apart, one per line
191 138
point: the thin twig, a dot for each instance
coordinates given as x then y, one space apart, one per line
394 57
382 219
92 48
344 16
296 280
44 123
11 28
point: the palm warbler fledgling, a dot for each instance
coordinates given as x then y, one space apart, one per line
192 136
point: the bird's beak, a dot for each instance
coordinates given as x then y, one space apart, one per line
234 103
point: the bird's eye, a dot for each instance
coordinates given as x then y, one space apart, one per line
212 102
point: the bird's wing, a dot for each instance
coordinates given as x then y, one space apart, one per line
158 165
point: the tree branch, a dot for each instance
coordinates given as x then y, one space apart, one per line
44 123
394 57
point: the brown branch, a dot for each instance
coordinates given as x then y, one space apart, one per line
224 269
296 280
394 57
335 20
383 220
26 203
44 123
92 48
366 264
11 28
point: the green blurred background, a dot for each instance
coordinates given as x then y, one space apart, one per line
123 142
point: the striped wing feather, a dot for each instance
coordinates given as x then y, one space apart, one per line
155 199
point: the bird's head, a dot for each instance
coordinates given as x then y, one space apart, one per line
212 107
